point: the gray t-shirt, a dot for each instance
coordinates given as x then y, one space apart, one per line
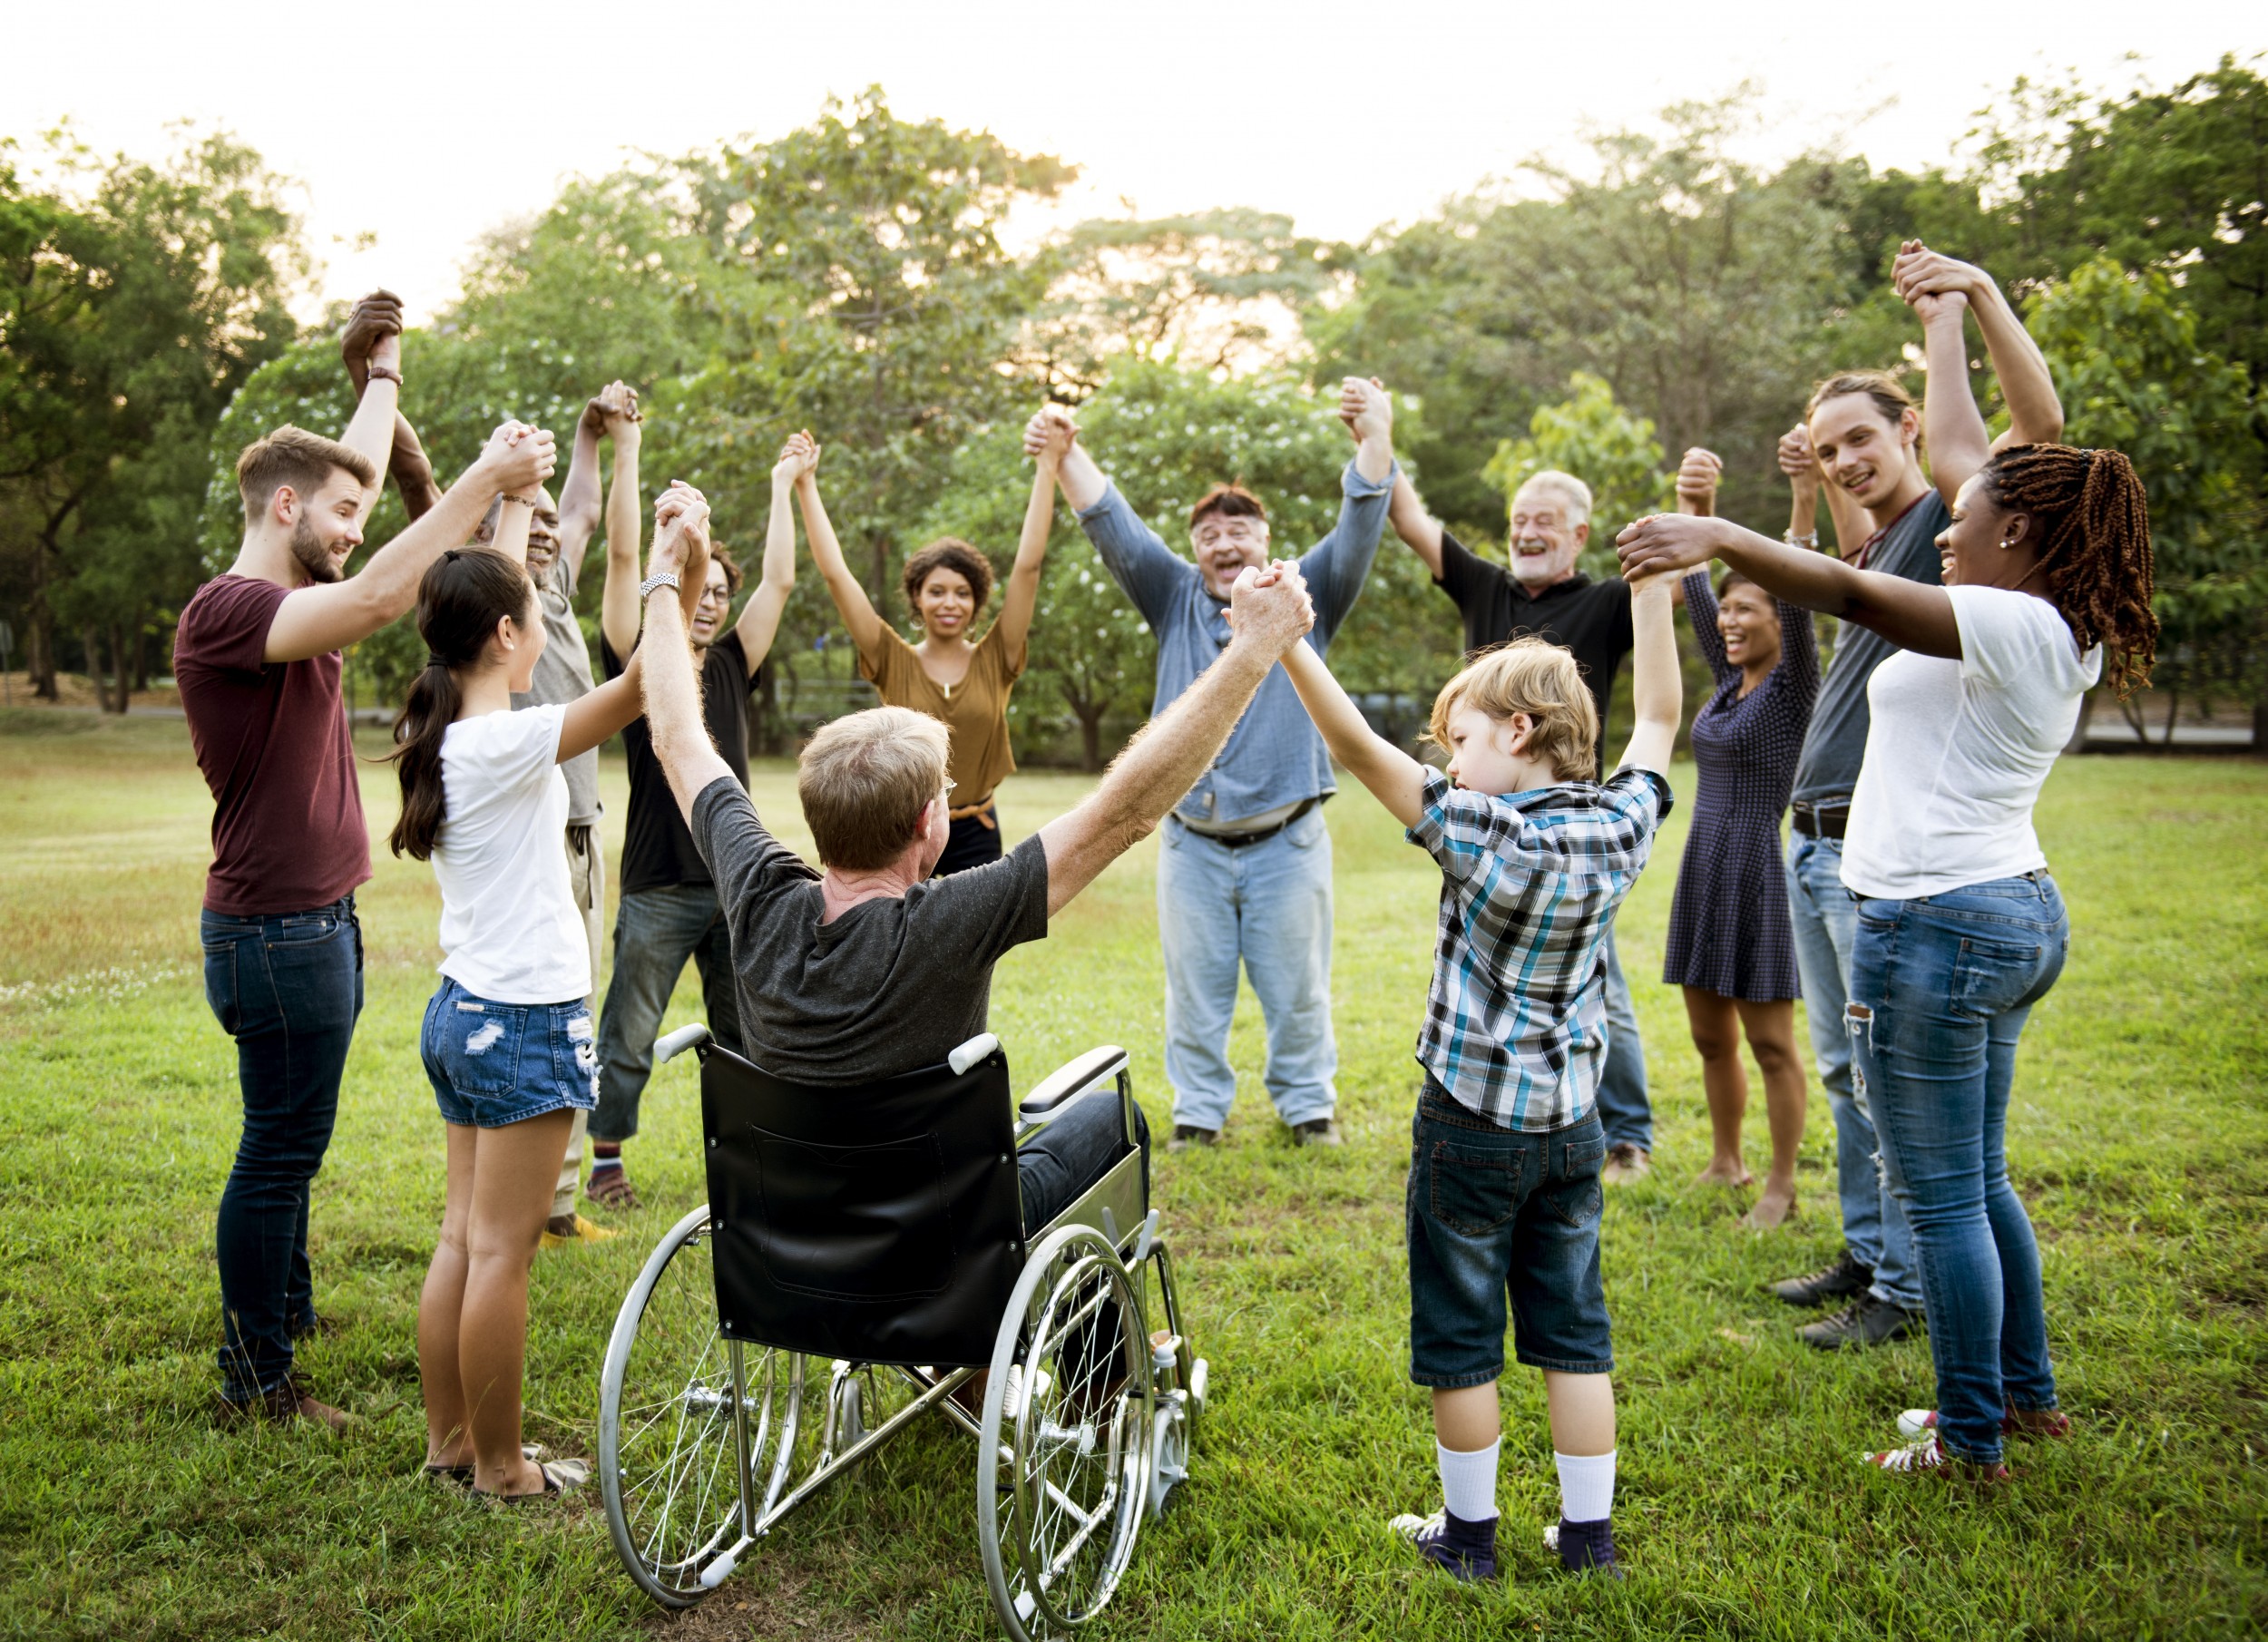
1836 745
891 986
562 675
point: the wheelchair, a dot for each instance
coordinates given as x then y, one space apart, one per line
861 1259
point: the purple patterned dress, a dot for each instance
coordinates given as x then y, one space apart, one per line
1728 920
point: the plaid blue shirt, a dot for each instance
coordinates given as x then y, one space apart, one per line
1516 1022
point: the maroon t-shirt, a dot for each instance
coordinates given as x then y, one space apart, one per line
287 833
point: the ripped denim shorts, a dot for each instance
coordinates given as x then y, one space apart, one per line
497 1064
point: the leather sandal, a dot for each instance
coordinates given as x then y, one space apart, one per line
559 1476
611 1188
463 1474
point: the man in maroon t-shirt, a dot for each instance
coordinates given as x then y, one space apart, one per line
257 657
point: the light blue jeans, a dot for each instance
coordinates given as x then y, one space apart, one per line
1624 1110
1825 922
1940 988
1267 904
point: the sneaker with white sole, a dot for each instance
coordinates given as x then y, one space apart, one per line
1589 1547
1463 1550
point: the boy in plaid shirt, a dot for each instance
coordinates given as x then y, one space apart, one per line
1503 1197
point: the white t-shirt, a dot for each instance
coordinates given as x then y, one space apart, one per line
509 930
1957 750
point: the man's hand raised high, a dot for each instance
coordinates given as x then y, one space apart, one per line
1051 425
376 318
1269 606
613 408
517 457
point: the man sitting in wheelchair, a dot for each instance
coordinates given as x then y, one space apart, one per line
871 968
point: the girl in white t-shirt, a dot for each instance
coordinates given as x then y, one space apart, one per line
507 1039
1960 929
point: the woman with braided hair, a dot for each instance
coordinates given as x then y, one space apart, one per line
1961 928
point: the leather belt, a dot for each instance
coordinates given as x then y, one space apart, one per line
1819 820
1239 840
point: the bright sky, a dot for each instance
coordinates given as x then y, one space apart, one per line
458 116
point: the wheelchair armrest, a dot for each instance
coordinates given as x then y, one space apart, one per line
1097 1069
671 1046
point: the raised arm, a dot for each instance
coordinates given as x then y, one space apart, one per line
2035 413
514 516
857 610
1147 571
673 688
1269 610
608 709
1396 778
1337 566
377 316
618 601
579 498
1952 427
1907 613
1022 595
1657 689
1419 530
371 346
759 617
1700 604
328 616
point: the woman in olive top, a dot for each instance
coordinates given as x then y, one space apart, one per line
964 684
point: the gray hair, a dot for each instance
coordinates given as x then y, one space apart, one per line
1570 489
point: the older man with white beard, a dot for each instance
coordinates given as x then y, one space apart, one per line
1543 594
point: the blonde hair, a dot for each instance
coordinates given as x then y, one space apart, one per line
1565 487
1540 680
866 780
294 456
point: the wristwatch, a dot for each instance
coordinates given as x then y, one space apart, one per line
668 578
1809 539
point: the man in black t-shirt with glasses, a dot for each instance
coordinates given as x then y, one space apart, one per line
668 911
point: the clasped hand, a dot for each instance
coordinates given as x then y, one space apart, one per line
1270 604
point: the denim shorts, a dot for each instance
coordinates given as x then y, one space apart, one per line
1494 1213
497 1064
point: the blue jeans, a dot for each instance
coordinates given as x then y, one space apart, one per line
287 989
1825 919
1495 1214
1269 905
1623 1105
655 932
1940 987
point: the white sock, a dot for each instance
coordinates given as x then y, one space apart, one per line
1587 1487
1469 1480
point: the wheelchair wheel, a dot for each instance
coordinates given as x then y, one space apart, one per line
1064 1462
672 1400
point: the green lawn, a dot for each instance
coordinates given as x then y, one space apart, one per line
2139 1139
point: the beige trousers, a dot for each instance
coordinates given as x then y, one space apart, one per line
586 873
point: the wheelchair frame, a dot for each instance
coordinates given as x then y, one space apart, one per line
1055 1531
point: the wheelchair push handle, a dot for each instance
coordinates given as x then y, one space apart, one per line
670 1046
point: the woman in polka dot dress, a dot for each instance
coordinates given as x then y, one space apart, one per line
1730 946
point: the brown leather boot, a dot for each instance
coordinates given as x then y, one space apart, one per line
285 1404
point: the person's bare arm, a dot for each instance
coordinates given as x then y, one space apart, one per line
1082 480
513 521
1420 532
1396 778
606 710
371 433
1021 596
379 315
759 617
618 600
1269 612
857 610
328 616
2035 411
1657 685
1698 475
1953 429
673 688
1909 614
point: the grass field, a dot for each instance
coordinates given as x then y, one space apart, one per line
2139 1139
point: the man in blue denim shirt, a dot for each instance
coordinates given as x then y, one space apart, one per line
1244 873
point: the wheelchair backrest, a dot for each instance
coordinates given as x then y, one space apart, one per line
879 1223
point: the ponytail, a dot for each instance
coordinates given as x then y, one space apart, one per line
461 597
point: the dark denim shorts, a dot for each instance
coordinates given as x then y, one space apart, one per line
1495 1213
497 1064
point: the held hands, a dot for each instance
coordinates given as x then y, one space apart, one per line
1268 605
798 459
1661 544
612 409
1366 408
1049 437
1797 461
1697 476
1935 285
680 543
517 458
372 336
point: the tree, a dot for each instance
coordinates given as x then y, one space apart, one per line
134 298
1608 448
2134 377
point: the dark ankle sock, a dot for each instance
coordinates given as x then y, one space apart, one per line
1584 1546
1469 1536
